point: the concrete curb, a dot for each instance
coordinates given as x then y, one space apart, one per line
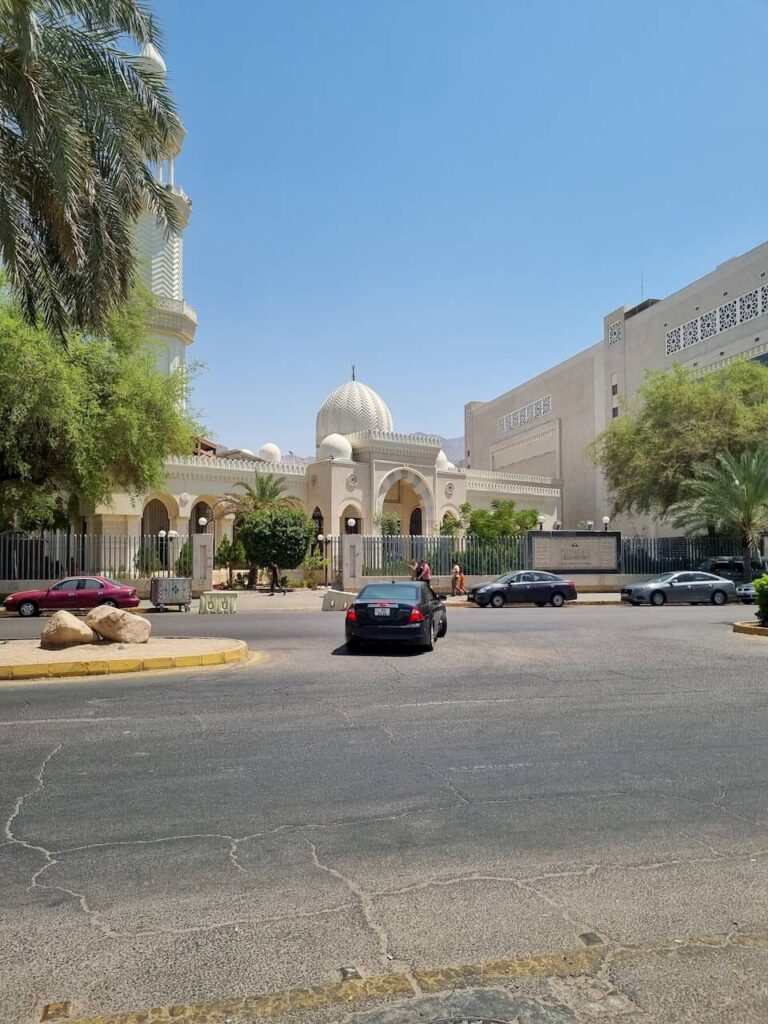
750 629
113 666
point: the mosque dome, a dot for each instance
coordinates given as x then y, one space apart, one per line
152 59
350 409
335 446
441 462
270 453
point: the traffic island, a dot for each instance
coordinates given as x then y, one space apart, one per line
750 629
25 659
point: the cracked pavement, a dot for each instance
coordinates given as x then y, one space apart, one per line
543 775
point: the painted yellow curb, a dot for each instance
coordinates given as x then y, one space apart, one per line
54 670
384 986
750 628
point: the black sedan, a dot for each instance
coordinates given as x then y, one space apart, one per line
526 586
401 613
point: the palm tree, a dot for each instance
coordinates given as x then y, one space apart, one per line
267 491
730 495
80 119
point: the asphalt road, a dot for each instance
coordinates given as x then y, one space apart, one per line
541 776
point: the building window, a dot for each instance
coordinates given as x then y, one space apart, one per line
528 413
614 389
615 411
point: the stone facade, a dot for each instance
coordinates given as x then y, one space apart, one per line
545 424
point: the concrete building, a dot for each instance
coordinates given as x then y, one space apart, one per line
544 425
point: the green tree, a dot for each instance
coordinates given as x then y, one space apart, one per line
267 491
183 566
230 556
81 119
680 421
504 519
390 525
730 495
275 534
450 525
86 419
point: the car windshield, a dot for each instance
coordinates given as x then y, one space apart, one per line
506 577
664 578
389 592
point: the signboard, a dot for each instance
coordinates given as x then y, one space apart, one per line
573 551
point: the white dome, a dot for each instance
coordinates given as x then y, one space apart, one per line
270 453
335 446
441 462
352 408
152 59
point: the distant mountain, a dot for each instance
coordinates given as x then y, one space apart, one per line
454 449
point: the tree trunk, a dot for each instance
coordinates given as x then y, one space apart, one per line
746 560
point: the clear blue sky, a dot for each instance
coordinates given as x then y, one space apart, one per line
450 193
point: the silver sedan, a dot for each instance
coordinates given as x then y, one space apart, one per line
682 588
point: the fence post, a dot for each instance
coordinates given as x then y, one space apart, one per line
202 562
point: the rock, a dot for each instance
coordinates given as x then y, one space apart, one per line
114 624
64 629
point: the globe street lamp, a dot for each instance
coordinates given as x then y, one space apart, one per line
541 522
590 525
322 539
351 523
606 520
202 522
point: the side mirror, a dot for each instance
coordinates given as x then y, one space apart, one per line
671 583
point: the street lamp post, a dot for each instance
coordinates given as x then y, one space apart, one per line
606 520
351 523
590 525
322 539
541 522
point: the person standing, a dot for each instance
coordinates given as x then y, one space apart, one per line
425 573
457 578
274 580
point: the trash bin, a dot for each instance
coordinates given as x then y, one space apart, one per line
168 590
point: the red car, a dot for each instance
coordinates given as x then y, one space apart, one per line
74 592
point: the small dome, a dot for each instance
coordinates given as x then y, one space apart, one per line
270 453
441 462
350 409
246 451
152 59
335 446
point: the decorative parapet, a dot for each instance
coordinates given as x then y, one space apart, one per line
174 315
218 465
489 474
393 437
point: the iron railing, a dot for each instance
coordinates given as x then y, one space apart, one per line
54 555
391 556
650 555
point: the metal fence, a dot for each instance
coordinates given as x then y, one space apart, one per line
54 555
640 555
391 556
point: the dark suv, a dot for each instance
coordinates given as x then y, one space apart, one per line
731 568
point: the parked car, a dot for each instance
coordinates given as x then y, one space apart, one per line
681 587
746 593
732 568
402 613
76 592
538 588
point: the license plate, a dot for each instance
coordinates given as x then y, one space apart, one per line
381 611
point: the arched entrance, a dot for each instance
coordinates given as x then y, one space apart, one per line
201 511
405 495
350 520
154 518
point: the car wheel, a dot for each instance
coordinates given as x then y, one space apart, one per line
497 601
719 597
443 626
658 599
430 644
557 600
540 604
109 603
27 609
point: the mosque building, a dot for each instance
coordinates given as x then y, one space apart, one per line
363 468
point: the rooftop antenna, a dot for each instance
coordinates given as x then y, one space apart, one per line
353 371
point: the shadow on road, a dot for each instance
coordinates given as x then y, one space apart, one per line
377 650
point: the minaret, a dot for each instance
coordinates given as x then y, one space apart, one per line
161 258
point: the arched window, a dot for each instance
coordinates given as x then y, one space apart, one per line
202 510
154 518
415 524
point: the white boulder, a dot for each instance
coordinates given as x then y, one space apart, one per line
114 624
64 628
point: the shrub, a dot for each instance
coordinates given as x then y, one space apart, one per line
280 535
184 560
148 561
761 592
